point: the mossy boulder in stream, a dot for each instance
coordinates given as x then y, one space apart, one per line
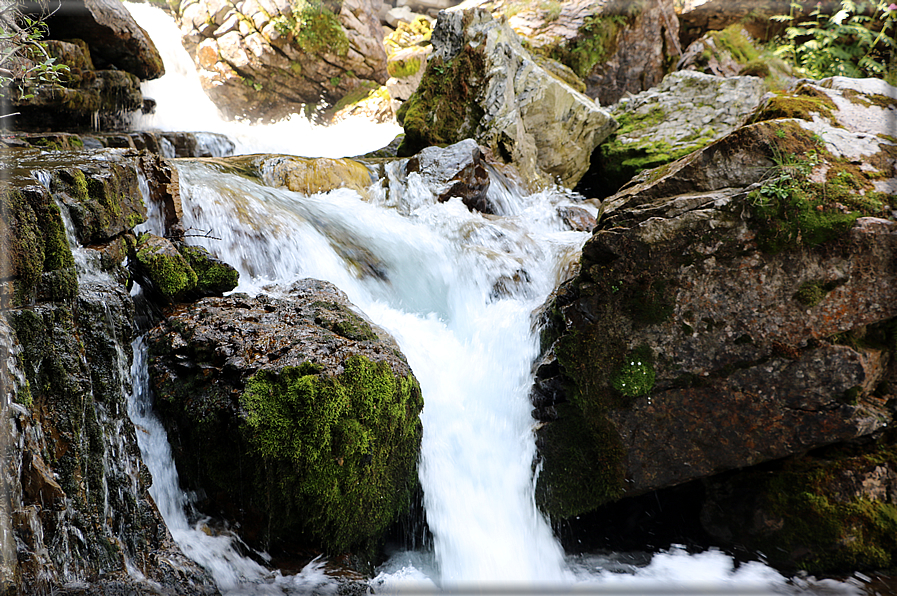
732 308
175 271
294 416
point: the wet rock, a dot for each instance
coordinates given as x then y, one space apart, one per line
456 171
265 59
166 144
32 236
234 376
102 197
176 272
310 176
108 55
577 218
716 318
111 33
480 83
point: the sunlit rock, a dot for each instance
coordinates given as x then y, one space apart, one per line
481 84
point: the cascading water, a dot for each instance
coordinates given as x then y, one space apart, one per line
457 290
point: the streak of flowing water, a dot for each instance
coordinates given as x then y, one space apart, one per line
182 105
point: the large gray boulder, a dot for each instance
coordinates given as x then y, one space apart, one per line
686 112
617 47
482 84
733 307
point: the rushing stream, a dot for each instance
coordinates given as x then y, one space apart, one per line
457 290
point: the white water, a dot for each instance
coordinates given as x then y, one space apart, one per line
426 272
184 107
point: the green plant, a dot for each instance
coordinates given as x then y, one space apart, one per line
857 41
24 60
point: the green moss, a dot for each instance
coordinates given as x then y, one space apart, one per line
342 321
821 533
444 109
732 39
803 104
635 376
790 210
212 275
582 464
595 43
365 90
346 448
317 28
171 274
813 292
403 68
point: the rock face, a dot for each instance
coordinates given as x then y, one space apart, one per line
108 55
165 144
696 17
618 47
77 504
716 320
685 112
265 59
480 83
311 441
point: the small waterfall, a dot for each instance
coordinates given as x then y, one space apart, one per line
457 290
183 106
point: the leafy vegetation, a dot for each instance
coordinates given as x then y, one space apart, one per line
24 59
857 41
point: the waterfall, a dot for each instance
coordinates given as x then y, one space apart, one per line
457 290
183 106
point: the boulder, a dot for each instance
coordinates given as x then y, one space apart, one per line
107 55
716 320
261 59
480 83
733 51
113 36
297 418
687 111
456 171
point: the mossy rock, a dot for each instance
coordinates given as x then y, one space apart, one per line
341 448
313 416
444 109
824 513
162 269
102 197
214 277
32 235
